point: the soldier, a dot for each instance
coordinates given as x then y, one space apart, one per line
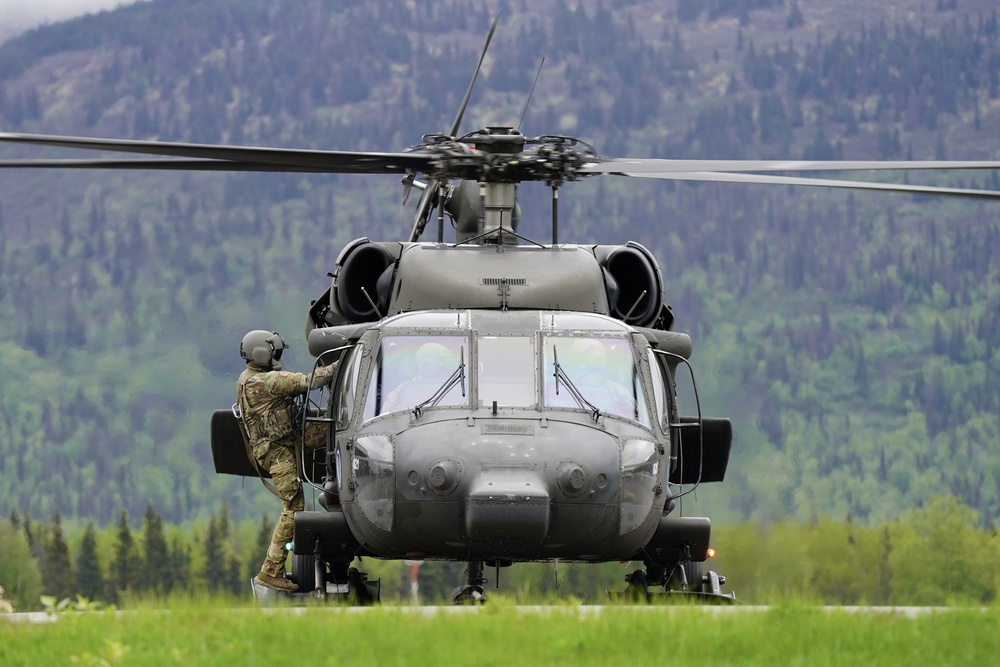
265 394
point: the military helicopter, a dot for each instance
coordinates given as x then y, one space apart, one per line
499 399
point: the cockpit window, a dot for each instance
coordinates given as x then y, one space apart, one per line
412 370
506 371
602 372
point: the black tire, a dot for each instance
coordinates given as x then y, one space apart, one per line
304 572
363 593
638 587
694 576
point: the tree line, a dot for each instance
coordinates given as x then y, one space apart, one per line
935 555
115 562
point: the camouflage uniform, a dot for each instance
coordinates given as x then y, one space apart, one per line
266 400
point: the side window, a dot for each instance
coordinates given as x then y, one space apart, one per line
347 389
659 391
373 400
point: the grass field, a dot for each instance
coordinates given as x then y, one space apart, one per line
504 635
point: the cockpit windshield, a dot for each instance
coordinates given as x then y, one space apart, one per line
416 370
594 373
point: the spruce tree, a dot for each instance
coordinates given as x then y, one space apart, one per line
156 564
213 571
125 566
89 577
57 571
233 582
180 565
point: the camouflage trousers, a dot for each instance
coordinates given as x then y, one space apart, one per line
284 476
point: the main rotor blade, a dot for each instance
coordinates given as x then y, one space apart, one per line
323 161
429 195
821 182
165 165
652 167
468 91
424 205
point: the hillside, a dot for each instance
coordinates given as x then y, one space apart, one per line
853 338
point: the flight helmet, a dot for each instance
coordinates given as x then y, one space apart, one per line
263 349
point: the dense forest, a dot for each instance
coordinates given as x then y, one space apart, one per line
853 338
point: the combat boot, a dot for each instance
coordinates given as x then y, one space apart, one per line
277 583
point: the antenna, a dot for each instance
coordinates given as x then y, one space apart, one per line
530 94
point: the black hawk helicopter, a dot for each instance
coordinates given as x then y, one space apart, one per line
499 400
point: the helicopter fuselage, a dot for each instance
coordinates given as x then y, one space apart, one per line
519 435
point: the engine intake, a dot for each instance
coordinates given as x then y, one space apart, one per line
368 268
633 282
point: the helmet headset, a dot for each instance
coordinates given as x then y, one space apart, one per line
263 349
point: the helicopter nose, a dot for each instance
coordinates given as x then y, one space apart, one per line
507 505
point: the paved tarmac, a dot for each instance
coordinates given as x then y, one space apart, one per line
582 610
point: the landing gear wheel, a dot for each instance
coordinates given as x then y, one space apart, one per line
304 572
638 587
695 578
362 592
468 595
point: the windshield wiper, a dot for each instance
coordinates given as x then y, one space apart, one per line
573 391
458 375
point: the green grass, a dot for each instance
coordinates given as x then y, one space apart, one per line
502 634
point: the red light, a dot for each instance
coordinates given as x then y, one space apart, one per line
711 553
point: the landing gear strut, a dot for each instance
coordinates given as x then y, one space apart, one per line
472 591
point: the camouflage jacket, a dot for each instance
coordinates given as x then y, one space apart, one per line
266 400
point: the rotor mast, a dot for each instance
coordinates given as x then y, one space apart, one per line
498 197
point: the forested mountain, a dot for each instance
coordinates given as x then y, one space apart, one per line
853 338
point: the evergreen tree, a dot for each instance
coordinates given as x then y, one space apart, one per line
89 577
57 571
213 571
125 566
156 563
180 565
233 582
